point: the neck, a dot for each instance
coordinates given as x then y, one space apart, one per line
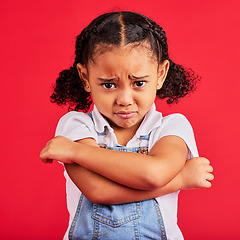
124 135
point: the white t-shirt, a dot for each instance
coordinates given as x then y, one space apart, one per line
77 125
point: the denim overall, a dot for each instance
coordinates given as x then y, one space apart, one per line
139 220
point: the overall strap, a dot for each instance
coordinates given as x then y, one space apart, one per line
99 134
90 115
145 137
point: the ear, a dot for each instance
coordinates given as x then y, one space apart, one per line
162 73
83 74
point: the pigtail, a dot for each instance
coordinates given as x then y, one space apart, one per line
69 87
178 83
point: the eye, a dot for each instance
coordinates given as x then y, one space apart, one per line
108 85
139 84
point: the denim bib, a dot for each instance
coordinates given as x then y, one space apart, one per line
130 221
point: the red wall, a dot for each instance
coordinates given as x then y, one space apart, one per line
37 41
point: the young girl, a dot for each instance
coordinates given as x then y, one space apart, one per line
122 63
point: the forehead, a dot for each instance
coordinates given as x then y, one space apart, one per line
130 54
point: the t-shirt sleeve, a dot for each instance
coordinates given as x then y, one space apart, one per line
178 125
75 126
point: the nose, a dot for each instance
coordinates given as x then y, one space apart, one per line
124 97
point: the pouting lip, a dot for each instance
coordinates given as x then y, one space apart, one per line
126 114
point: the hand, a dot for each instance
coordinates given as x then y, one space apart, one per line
197 173
60 149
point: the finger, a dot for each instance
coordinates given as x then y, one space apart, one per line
209 168
210 177
47 160
45 157
42 154
208 184
205 160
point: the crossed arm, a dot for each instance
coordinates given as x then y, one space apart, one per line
112 177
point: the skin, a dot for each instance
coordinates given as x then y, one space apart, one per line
128 85
197 173
128 79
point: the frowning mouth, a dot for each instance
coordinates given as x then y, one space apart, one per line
126 114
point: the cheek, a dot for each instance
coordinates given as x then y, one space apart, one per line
102 102
149 96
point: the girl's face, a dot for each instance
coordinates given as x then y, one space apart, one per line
123 83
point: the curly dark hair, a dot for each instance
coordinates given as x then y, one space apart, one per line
113 29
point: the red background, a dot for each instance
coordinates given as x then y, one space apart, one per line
37 41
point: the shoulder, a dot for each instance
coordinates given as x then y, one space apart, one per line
175 117
75 125
74 116
177 125
175 122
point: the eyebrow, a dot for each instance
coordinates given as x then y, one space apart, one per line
113 79
106 79
139 78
